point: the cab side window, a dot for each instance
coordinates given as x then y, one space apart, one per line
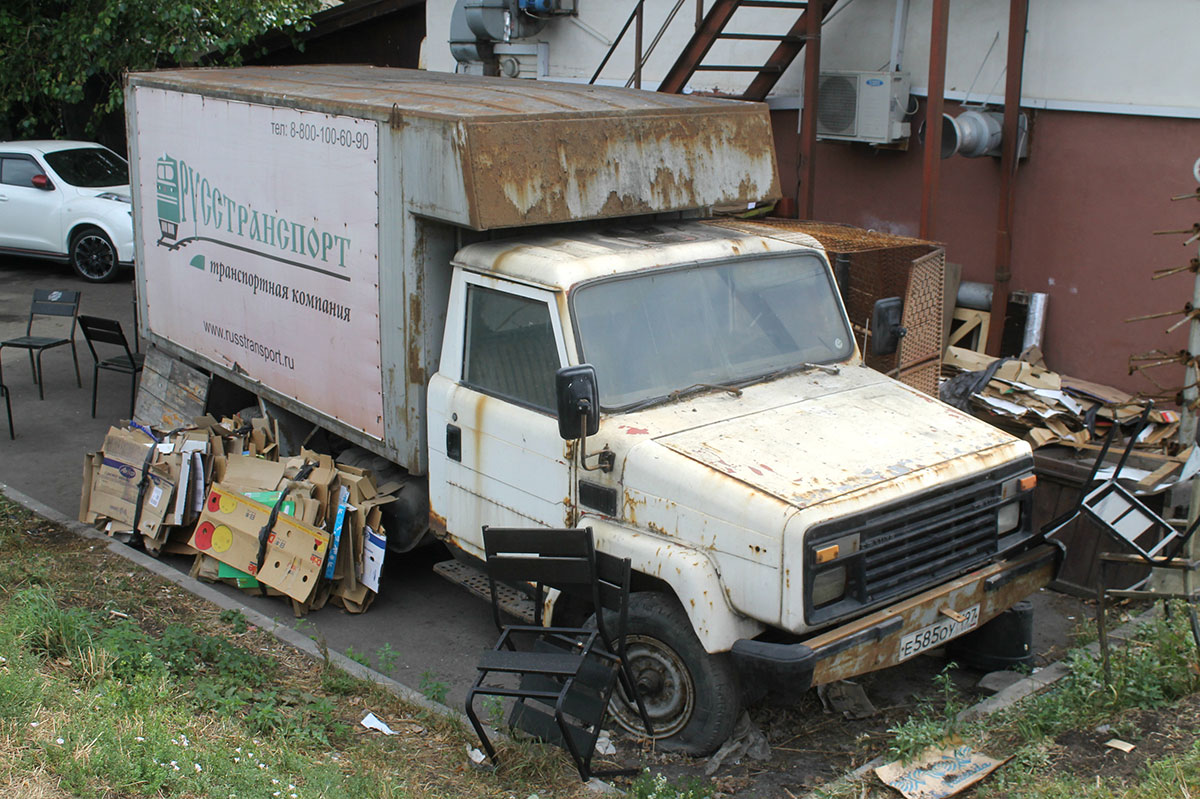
16 170
510 347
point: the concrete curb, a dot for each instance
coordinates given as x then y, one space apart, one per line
282 632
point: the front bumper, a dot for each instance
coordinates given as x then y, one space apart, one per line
873 642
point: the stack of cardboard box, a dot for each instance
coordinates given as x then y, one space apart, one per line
307 528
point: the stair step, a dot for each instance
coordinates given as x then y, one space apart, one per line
761 37
738 68
475 580
796 4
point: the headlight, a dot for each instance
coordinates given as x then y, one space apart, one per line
1009 515
1008 518
828 586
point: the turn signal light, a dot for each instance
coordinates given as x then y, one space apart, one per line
827 554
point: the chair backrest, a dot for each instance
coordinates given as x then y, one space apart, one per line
96 329
54 302
558 558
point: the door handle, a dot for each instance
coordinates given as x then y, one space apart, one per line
454 443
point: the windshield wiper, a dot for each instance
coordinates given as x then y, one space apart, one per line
787 370
680 393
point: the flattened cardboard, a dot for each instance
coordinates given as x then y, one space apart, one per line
244 473
114 491
228 531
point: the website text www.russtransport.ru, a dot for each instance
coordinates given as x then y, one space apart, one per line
266 352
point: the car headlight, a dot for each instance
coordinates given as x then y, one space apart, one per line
1009 515
828 586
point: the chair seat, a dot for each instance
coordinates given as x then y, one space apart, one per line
121 363
563 665
34 342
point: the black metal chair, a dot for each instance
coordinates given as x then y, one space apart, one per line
97 330
565 676
8 406
47 303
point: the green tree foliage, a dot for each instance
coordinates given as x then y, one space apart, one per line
62 61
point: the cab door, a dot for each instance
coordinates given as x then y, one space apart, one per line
496 457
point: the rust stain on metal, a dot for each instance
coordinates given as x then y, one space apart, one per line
437 523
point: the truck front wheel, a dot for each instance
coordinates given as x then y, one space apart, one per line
691 696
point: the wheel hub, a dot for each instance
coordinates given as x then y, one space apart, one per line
664 684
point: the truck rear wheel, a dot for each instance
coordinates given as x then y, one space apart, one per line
691 696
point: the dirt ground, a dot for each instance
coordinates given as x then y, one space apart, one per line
809 744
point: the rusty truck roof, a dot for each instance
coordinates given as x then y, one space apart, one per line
560 261
502 152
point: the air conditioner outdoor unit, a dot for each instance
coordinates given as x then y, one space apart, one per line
863 106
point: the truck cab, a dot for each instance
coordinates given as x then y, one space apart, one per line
766 485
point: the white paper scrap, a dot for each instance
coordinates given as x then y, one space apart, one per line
374 549
372 722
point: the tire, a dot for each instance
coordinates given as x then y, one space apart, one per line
93 256
691 696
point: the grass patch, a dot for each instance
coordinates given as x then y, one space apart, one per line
1056 739
116 683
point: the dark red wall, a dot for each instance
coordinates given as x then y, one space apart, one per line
1088 198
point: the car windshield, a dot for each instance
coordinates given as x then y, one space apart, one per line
89 167
653 334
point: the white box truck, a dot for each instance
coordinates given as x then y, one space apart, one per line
408 261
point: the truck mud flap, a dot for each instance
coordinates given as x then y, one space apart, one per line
902 631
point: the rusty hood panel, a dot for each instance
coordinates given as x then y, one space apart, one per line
821 447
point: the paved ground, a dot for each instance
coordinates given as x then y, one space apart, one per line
435 629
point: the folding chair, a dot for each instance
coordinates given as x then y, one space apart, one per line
108 331
1127 520
47 302
565 676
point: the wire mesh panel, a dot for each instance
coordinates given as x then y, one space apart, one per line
882 265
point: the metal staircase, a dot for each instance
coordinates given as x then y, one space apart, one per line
715 25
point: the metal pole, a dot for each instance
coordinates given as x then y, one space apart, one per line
637 47
931 166
1018 14
807 168
899 31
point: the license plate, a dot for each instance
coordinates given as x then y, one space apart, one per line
938 633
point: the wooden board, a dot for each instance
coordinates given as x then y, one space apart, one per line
171 393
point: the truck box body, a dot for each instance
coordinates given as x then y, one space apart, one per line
292 199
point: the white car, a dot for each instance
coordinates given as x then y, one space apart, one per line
67 201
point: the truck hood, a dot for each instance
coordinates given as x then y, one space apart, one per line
803 439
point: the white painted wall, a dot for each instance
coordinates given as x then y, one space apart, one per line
1090 55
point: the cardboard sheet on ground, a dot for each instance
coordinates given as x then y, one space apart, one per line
938 772
228 531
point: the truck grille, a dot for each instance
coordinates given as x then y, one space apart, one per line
910 546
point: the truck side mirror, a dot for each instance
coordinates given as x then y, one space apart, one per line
578 396
886 331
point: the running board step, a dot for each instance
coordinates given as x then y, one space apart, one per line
512 601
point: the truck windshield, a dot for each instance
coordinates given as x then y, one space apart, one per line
654 333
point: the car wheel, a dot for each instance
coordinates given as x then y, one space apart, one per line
691 696
93 256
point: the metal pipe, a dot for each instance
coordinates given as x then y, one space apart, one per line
899 31
1018 15
807 168
931 166
637 46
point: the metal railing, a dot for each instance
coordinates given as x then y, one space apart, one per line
637 19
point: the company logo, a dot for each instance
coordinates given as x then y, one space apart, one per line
874 82
187 201
127 471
